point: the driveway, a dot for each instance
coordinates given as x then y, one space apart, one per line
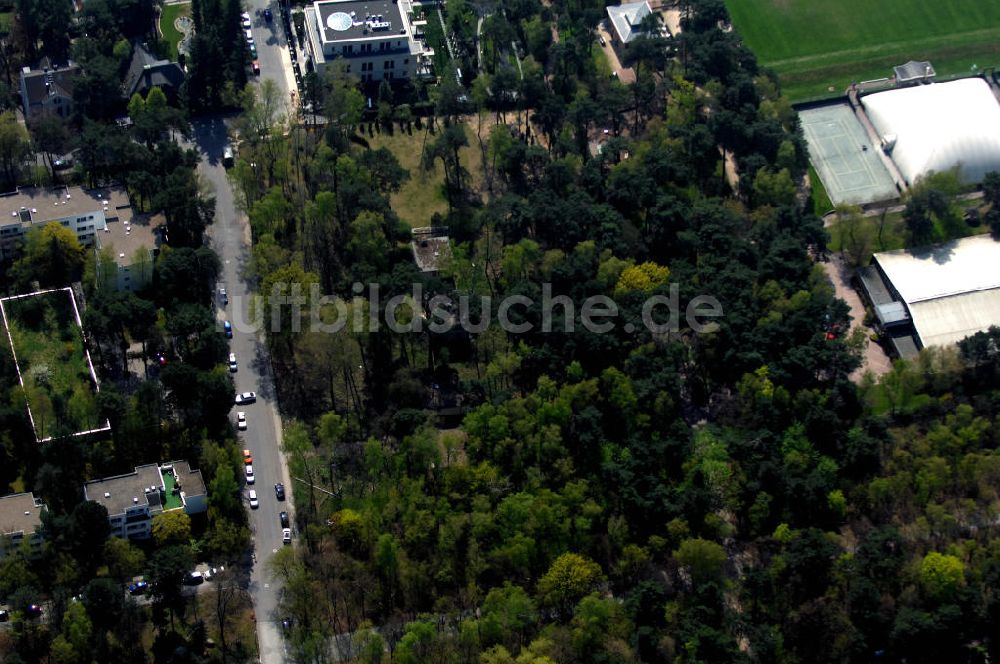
874 358
229 236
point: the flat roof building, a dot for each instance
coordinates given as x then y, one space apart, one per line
377 39
133 243
939 126
84 211
20 517
951 290
133 499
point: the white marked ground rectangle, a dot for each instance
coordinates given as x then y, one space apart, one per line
847 162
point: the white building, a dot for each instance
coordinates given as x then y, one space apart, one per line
84 212
626 21
379 40
20 517
951 290
133 499
938 126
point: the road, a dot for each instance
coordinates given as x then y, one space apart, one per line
272 46
229 236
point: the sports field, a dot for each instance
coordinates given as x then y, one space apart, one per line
817 44
55 369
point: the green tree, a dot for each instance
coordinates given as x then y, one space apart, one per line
941 575
123 559
702 558
507 613
52 255
773 187
172 527
569 578
15 147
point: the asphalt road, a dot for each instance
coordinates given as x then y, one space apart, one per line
272 46
229 236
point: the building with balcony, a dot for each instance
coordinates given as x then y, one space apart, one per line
20 519
377 40
133 499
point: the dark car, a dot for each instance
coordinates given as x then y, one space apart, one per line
33 611
228 329
4 615
279 491
138 588
268 16
283 517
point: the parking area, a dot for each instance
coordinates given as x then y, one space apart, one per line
845 158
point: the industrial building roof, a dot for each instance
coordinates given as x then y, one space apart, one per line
952 290
939 126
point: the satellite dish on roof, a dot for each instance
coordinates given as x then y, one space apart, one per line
339 21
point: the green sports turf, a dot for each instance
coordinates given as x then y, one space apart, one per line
816 44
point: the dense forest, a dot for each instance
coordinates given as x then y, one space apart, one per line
544 497
624 497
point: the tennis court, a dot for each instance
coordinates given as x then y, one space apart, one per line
844 157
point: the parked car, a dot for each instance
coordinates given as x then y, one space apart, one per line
279 491
254 503
4 615
138 588
268 16
194 579
603 42
247 457
286 535
283 517
62 164
33 611
250 476
232 362
227 327
256 68
246 23
223 295
248 33
253 51
245 16
241 421
245 397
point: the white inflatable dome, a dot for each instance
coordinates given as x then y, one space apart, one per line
939 126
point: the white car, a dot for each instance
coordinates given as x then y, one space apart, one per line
249 34
245 397
250 477
246 23
286 535
245 16
241 421
254 503
232 362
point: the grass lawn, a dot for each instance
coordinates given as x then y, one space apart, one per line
820 199
50 353
423 194
894 235
6 19
170 34
816 44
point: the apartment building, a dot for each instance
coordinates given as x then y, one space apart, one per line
378 40
133 499
20 518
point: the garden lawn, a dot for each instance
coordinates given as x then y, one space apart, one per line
49 348
423 193
172 35
814 45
